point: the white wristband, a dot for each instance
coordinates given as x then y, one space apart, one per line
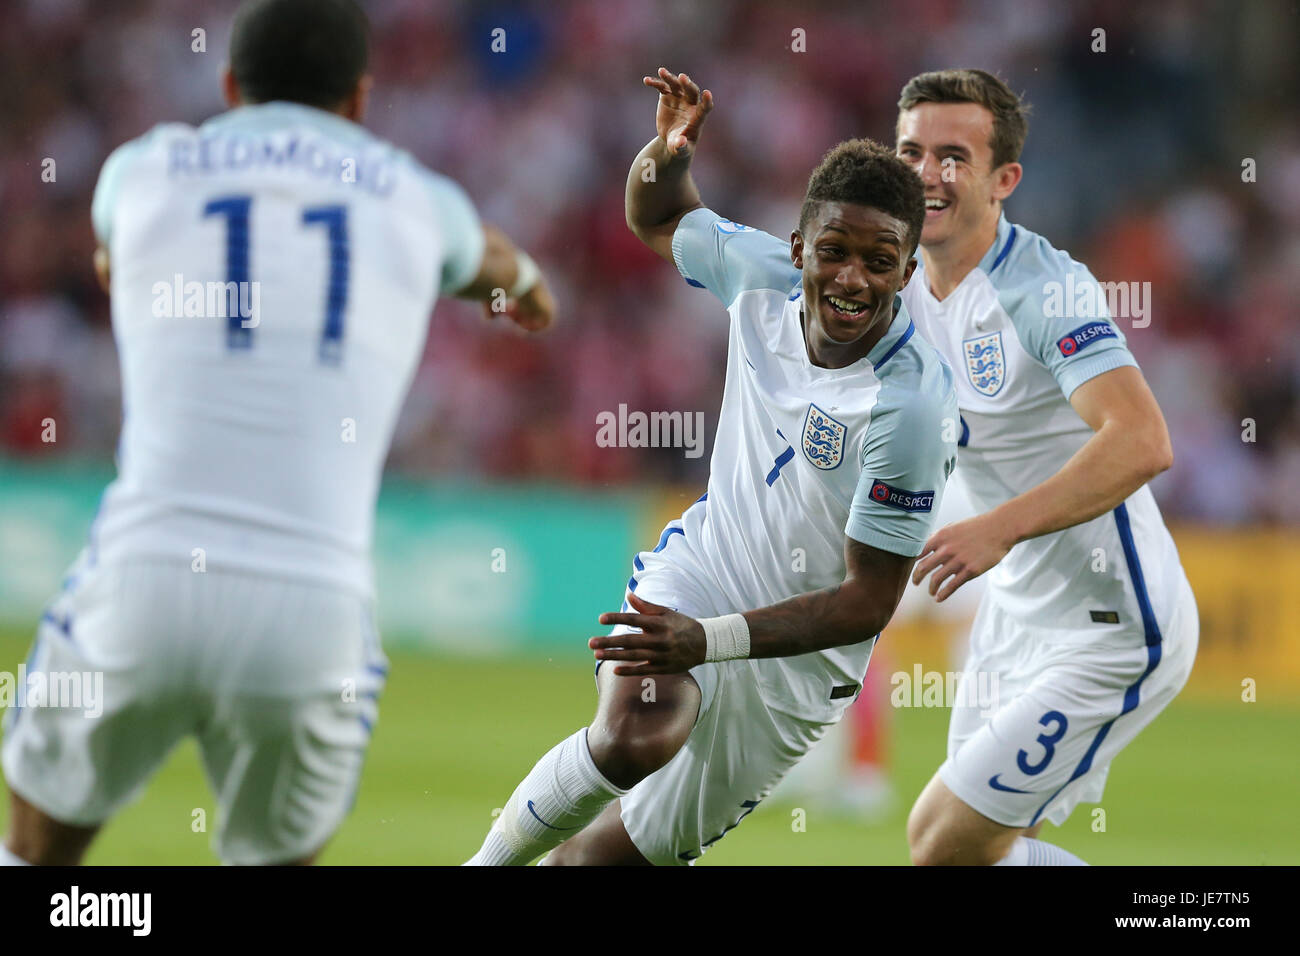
726 638
528 275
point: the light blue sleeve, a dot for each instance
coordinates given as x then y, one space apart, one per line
104 203
462 232
909 451
727 258
1061 315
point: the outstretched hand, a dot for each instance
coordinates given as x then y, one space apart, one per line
961 552
681 112
533 311
669 643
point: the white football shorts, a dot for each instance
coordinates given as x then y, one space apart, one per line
742 744
1041 712
278 681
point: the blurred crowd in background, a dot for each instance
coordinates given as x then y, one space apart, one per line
1134 163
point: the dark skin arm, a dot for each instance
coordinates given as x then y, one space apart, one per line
532 311
847 613
653 208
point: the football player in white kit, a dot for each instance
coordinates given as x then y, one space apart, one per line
1087 620
746 631
227 591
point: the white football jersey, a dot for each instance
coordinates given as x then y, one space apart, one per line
1022 331
257 416
806 455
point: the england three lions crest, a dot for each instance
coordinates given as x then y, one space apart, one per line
985 363
823 439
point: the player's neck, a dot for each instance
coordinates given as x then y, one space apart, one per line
949 262
824 352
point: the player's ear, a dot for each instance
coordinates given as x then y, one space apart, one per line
229 88
796 249
1006 179
354 107
103 271
908 268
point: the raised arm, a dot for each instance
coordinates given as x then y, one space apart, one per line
660 189
847 613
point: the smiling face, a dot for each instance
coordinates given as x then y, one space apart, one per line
950 146
855 260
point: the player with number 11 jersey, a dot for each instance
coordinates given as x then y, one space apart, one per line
272 272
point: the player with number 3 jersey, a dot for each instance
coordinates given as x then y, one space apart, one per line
1087 622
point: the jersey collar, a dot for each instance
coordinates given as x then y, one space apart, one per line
1003 242
900 330
895 337
259 117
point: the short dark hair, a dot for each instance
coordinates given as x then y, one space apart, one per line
306 51
864 172
1010 112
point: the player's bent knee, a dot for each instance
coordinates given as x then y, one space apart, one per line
923 825
944 841
916 837
934 844
924 840
628 748
943 831
632 737
927 850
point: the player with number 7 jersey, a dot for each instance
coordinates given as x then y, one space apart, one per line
747 630
272 273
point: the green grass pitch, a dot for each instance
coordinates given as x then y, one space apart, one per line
1207 783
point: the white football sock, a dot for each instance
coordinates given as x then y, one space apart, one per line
1028 852
9 858
560 796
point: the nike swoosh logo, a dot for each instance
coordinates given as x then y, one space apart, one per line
533 811
993 782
